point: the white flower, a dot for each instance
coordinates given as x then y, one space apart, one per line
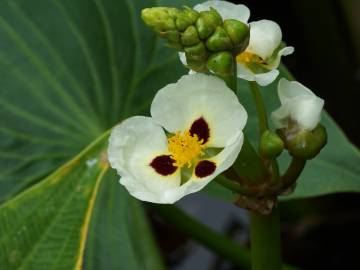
260 60
203 120
298 105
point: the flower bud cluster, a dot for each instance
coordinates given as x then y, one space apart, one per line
208 41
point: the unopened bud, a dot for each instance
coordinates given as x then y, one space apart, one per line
239 34
221 63
271 145
197 52
304 144
207 22
185 18
190 36
161 19
219 40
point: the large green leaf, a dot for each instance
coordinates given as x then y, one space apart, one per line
69 70
46 226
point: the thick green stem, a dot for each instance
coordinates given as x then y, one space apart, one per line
265 229
206 236
265 241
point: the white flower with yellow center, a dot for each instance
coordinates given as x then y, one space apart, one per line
299 106
194 134
260 60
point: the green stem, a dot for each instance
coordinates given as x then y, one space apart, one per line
265 229
260 107
214 241
232 185
263 123
265 241
293 172
222 245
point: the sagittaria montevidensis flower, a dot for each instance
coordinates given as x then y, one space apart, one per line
194 134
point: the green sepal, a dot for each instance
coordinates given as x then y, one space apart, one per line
197 52
239 34
271 145
219 40
207 23
304 144
190 36
186 18
221 63
196 65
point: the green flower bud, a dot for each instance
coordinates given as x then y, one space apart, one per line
196 65
197 52
186 18
221 63
161 19
304 144
271 145
207 22
190 37
239 34
219 40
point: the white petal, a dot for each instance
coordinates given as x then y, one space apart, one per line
226 9
178 105
223 161
133 144
262 79
182 58
265 37
183 61
298 103
283 52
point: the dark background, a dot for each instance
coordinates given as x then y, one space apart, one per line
320 233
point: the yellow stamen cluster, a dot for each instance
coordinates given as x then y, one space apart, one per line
247 57
184 148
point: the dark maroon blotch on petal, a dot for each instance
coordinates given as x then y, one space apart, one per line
201 128
163 165
204 168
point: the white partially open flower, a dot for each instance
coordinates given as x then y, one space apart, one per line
260 60
194 134
299 106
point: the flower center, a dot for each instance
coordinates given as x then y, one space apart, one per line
247 57
184 147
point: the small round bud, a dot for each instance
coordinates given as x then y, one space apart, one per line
221 63
161 19
190 36
271 145
305 144
239 34
219 40
197 52
207 23
186 18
